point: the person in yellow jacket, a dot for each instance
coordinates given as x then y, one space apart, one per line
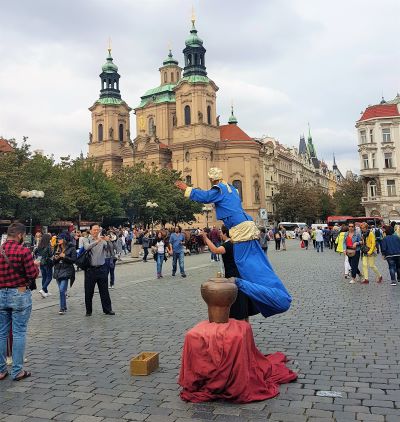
339 248
368 253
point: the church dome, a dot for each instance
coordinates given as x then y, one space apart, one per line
109 66
193 40
170 60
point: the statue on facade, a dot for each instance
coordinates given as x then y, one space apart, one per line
200 116
111 133
218 119
128 134
174 120
90 137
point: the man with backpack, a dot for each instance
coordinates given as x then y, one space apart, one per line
378 237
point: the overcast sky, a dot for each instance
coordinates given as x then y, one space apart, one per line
282 62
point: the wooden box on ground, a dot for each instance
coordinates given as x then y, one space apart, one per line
144 364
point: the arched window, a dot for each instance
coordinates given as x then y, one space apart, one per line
187 156
187 115
121 133
172 76
189 59
209 115
151 126
165 76
196 58
188 180
104 84
100 133
238 185
256 191
212 156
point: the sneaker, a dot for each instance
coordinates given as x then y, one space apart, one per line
393 283
61 312
43 294
111 287
346 276
352 281
366 281
173 274
380 279
49 294
183 275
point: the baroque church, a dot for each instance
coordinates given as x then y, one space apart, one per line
177 126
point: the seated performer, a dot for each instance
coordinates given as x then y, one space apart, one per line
243 307
257 279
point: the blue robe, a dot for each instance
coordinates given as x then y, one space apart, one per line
258 280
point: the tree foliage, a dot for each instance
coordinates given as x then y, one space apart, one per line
78 189
348 198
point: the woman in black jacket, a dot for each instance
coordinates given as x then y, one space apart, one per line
64 258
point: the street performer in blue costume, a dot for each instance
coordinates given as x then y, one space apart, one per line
258 280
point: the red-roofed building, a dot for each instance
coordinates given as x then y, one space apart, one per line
5 146
379 148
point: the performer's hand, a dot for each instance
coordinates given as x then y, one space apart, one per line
181 185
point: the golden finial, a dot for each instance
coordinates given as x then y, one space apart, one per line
109 45
193 16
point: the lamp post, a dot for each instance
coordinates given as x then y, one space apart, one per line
152 206
30 194
207 208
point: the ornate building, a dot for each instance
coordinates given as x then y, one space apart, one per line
379 148
177 126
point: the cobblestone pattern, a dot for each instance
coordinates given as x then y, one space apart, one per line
341 337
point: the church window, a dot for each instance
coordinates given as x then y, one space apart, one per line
209 115
121 133
165 76
238 185
189 180
196 58
151 126
189 59
187 115
103 84
100 132
187 156
212 156
172 76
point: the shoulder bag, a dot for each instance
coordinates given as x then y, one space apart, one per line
84 260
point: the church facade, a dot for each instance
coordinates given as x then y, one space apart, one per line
177 126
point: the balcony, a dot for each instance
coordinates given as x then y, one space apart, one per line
370 172
369 199
367 146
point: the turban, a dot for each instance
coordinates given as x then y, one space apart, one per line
215 173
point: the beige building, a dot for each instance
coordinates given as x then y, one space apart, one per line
378 131
290 165
177 126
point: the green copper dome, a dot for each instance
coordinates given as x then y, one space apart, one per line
170 60
109 66
193 40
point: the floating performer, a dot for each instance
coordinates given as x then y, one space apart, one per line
257 278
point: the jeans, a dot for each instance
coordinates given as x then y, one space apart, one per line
63 286
111 270
145 253
394 267
178 255
353 261
15 308
160 261
215 256
320 245
278 244
99 276
369 262
47 275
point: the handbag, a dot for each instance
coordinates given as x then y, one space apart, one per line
350 252
302 245
84 260
32 282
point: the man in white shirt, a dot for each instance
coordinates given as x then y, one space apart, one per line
319 238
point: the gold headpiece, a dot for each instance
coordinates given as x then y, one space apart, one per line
215 173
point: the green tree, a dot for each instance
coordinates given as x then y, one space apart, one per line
348 198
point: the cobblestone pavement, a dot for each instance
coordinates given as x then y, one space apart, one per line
341 337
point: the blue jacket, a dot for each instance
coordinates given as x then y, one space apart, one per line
390 245
356 238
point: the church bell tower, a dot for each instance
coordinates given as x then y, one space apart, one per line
110 120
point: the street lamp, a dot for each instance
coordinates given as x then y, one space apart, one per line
152 206
30 194
207 208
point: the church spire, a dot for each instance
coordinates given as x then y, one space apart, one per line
310 146
232 119
194 53
109 78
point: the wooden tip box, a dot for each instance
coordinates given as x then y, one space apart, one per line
144 364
